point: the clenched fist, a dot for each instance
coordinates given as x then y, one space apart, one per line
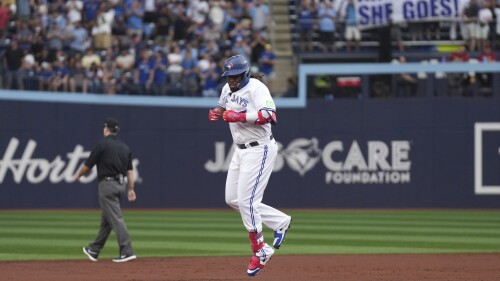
214 114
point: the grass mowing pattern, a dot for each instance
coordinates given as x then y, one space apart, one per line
39 235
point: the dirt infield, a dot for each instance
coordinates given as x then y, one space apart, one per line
456 267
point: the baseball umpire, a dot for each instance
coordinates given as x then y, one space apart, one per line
114 162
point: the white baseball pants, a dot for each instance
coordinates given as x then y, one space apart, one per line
246 181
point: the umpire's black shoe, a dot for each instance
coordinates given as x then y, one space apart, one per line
124 258
92 256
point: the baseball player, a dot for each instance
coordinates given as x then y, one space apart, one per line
246 104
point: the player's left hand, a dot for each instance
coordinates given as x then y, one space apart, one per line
233 116
214 114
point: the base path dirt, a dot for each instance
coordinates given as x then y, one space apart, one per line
449 267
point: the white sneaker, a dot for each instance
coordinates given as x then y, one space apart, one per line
279 235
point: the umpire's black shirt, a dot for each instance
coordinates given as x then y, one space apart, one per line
112 157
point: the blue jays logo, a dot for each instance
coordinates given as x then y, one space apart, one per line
302 155
229 66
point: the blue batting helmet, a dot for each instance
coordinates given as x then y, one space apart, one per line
236 65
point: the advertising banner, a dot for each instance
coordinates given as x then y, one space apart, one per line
374 13
423 153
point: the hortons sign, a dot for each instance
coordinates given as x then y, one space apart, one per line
37 170
373 162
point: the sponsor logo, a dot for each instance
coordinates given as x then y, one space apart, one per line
38 170
346 163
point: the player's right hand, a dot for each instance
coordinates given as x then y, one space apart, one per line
214 114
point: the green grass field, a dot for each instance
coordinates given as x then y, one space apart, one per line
37 235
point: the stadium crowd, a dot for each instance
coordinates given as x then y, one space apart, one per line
136 47
322 24
332 26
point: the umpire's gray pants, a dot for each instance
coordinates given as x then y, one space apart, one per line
112 218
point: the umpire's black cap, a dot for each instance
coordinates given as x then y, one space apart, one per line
111 123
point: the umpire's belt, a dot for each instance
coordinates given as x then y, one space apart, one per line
118 178
250 144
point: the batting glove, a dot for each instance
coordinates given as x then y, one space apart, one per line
214 114
233 116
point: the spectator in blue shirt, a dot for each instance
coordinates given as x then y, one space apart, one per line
90 8
260 15
190 75
306 24
352 32
210 80
266 63
135 21
78 39
45 77
143 73
326 17
160 64
60 75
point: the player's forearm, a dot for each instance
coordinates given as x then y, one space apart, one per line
131 180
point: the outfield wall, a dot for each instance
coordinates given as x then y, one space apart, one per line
408 153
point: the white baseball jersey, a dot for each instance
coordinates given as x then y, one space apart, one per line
251 98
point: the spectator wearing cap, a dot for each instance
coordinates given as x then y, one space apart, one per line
266 66
13 59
